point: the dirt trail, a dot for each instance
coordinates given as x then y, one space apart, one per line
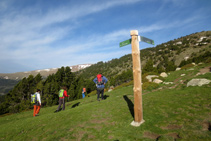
205 70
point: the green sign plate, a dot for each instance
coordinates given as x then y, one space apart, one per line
124 43
149 41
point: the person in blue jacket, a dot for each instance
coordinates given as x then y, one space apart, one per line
100 82
83 92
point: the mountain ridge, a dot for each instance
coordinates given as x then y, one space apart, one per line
43 72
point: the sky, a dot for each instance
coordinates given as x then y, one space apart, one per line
42 34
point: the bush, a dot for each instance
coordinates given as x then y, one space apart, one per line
187 66
208 60
92 93
124 85
149 86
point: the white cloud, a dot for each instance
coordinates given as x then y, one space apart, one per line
45 34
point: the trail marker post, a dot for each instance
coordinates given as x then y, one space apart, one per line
137 89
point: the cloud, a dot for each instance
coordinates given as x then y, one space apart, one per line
30 26
47 35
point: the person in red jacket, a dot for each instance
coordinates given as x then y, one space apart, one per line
62 95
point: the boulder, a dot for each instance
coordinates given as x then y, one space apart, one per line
163 74
198 82
149 77
158 81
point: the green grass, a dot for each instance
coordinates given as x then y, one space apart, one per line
170 114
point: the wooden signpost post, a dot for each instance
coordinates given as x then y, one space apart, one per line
137 89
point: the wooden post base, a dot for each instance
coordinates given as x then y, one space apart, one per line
137 124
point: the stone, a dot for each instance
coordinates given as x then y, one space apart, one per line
163 74
158 81
149 77
190 69
137 124
198 82
178 69
110 90
167 83
194 64
198 74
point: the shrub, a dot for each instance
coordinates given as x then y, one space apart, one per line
187 66
124 85
92 93
149 86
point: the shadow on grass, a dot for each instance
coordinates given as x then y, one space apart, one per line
75 105
105 97
130 105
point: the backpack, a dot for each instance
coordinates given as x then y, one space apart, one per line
61 92
84 90
99 79
34 98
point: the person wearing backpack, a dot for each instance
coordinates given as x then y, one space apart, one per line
83 92
37 103
100 82
62 95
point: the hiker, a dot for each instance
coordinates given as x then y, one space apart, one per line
83 92
62 95
37 103
100 82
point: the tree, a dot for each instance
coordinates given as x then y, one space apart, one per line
170 66
149 67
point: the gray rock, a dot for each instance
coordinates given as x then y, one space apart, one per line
178 69
149 77
198 82
158 81
163 74
168 83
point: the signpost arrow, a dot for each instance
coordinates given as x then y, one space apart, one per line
124 43
140 38
147 40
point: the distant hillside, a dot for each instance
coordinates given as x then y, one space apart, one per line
6 85
161 57
44 72
9 80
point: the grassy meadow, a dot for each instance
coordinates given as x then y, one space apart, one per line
171 112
